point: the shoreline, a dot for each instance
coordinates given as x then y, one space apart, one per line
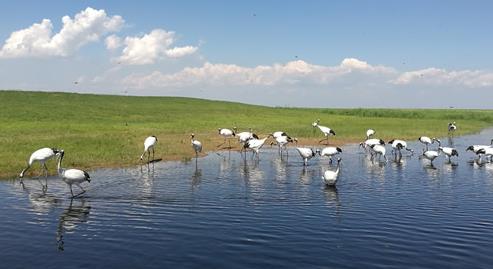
307 142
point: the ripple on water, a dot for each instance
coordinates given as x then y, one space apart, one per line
223 211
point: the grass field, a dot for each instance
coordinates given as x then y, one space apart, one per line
108 131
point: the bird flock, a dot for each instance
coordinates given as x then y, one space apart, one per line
249 141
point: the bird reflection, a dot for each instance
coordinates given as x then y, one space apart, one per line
432 171
280 167
332 198
147 179
305 175
75 214
197 175
251 172
41 201
450 141
450 167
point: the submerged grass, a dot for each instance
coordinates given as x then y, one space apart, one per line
102 130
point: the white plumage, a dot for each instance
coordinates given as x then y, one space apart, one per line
431 155
369 133
452 127
226 133
330 152
487 152
476 148
330 177
196 145
426 141
72 176
398 145
379 150
449 152
149 144
306 154
41 156
244 136
278 134
372 141
325 130
255 144
282 141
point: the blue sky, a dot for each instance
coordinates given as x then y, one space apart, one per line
296 53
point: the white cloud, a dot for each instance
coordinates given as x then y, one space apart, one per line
178 52
291 73
152 47
38 40
113 42
442 77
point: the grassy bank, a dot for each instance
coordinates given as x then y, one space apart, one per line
99 131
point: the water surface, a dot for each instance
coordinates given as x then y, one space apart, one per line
225 212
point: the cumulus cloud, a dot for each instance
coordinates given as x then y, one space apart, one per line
442 77
113 42
38 40
151 47
291 73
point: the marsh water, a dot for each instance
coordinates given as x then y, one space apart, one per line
226 212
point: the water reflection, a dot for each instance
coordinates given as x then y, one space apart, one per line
147 180
41 201
197 175
332 199
76 213
280 168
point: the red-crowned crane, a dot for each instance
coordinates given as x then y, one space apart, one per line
72 176
330 177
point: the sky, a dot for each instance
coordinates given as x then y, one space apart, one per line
403 54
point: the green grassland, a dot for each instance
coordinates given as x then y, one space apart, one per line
108 131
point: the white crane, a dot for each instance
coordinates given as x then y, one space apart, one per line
278 134
378 149
306 154
330 177
452 127
255 145
398 145
226 134
41 156
282 142
149 144
370 133
477 149
330 152
325 130
244 136
430 155
196 145
449 152
72 176
426 141
487 152
372 141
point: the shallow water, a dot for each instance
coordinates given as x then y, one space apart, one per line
226 212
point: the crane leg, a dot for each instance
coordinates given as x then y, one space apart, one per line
46 176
